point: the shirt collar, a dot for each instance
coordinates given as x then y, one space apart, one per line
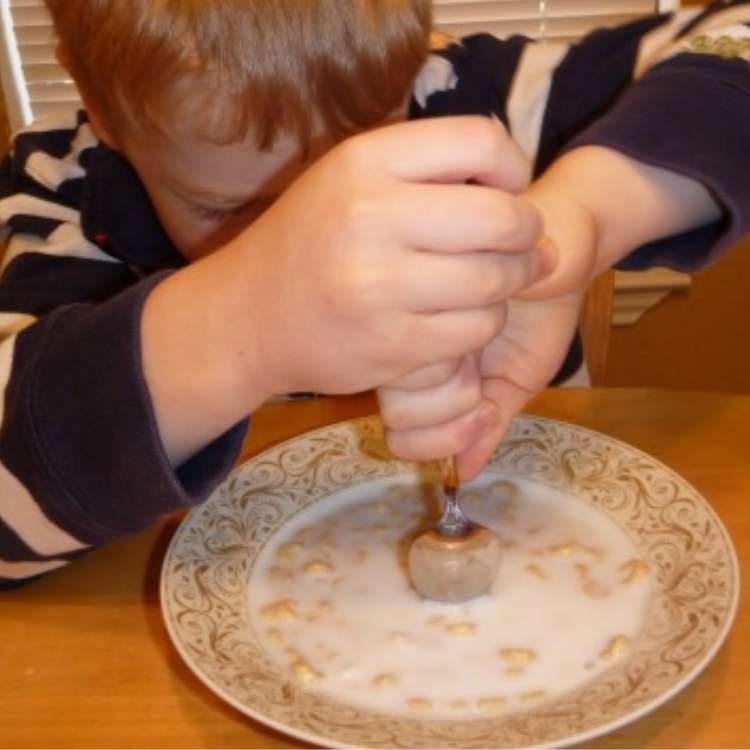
117 215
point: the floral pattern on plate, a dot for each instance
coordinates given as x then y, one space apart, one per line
691 562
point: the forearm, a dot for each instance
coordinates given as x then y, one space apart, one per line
200 348
600 205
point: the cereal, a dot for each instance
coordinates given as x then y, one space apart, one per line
332 600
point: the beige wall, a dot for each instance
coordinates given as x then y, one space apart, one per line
697 339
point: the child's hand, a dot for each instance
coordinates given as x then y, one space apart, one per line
593 228
379 260
468 418
468 412
435 411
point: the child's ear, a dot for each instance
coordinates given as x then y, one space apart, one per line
98 122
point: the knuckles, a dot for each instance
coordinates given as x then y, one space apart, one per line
443 440
357 155
429 376
393 412
514 220
488 325
491 135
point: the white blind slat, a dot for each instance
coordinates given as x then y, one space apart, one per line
553 19
35 35
560 29
30 15
42 109
42 85
476 12
33 54
45 73
45 85
53 91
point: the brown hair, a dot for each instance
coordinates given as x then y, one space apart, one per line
223 69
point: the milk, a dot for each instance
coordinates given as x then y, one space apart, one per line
331 600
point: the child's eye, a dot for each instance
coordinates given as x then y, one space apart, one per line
253 208
215 214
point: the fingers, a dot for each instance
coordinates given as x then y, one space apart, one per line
462 218
440 421
471 461
475 455
428 376
409 409
433 282
472 437
450 334
446 439
448 149
570 274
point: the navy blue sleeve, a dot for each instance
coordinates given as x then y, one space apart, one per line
691 115
79 426
81 459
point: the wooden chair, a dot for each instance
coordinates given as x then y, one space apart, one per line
596 324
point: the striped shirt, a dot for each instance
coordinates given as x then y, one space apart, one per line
80 457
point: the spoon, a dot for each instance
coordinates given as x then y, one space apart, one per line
457 559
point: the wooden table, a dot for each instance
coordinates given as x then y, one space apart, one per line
85 660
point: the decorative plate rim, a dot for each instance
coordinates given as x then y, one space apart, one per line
303 734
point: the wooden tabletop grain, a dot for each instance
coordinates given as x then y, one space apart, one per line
86 661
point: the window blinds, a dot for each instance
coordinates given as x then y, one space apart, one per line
33 81
35 84
561 20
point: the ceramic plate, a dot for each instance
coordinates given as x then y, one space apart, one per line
618 585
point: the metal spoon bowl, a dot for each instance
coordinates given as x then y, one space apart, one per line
458 559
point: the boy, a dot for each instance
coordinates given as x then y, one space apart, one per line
473 384
127 371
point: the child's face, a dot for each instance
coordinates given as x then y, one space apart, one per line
206 194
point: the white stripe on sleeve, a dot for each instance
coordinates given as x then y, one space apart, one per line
23 203
18 509
13 323
50 171
22 513
437 74
67 241
530 91
652 53
84 139
653 44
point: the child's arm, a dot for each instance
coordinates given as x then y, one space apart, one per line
378 260
80 458
659 179
125 387
600 204
593 228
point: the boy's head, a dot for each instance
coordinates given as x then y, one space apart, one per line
274 80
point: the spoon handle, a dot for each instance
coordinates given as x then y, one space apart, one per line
453 521
450 477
